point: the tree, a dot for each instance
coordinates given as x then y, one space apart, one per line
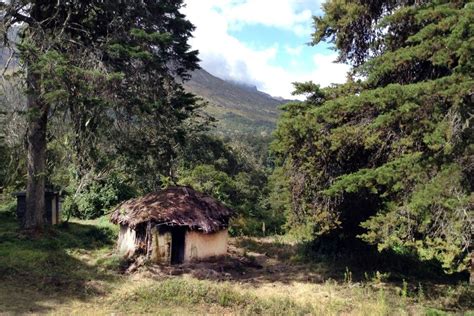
388 158
234 172
111 68
12 153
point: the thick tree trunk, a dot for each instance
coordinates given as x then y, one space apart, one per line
36 138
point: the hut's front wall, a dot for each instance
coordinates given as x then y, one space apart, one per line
199 245
127 241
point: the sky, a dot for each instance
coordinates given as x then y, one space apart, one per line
262 43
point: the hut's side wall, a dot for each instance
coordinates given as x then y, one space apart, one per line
126 241
199 245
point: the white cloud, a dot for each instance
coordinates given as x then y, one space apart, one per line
295 51
326 71
292 15
283 14
226 57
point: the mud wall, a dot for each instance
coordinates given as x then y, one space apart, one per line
126 241
199 245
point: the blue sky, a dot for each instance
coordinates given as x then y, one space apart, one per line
262 42
294 51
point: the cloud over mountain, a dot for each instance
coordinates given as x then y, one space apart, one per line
271 67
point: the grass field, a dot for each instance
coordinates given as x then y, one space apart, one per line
72 270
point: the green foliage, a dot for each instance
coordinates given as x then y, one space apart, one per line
388 158
243 192
277 198
235 173
12 153
437 200
108 77
313 92
8 206
98 198
206 178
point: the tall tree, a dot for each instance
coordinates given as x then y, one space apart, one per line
101 63
389 158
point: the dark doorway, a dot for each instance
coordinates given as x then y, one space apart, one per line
177 244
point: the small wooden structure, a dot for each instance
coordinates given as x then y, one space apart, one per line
52 215
172 226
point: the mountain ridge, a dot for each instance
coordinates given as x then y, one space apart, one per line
238 107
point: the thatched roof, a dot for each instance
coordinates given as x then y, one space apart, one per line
175 206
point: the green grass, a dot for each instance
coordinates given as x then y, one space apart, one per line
59 263
72 269
190 293
49 254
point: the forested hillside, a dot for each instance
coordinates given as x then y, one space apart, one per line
239 109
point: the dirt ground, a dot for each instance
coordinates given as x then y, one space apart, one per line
240 265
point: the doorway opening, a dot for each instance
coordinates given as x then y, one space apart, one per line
178 235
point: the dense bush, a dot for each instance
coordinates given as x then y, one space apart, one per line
98 198
235 173
8 205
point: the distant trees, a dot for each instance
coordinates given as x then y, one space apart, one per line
389 158
109 67
235 173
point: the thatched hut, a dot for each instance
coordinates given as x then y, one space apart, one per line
175 225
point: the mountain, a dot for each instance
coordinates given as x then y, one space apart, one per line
238 107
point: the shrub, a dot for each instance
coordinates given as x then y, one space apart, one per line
97 198
8 206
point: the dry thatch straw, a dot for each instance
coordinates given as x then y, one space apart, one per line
175 206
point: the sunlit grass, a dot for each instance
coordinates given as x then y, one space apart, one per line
73 270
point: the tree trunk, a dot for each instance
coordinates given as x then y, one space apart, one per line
36 138
471 276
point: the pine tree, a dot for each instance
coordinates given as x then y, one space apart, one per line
109 66
389 157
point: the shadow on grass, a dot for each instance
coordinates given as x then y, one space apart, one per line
37 273
358 258
356 262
